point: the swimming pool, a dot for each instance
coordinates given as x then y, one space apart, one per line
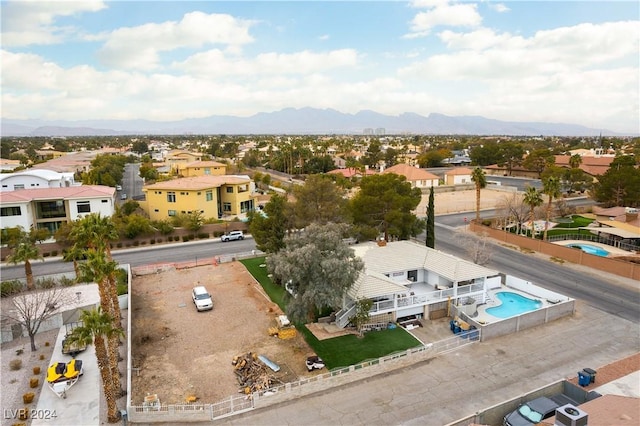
587 248
513 304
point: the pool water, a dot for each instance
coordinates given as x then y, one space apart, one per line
513 304
587 248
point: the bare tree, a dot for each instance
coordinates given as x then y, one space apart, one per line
32 309
478 247
512 208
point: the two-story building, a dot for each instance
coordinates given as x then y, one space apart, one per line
202 168
175 159
51 207
405 279
212 196
36 179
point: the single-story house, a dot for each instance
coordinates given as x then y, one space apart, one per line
418 178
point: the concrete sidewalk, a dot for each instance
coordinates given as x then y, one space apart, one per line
81 407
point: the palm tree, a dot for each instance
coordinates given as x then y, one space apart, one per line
96 326
24 250
95 231
479 178
575 161
532 198
551 187
74 254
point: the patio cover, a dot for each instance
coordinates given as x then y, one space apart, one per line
626 232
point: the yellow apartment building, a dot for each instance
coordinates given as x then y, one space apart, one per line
177 158
213 196
202 168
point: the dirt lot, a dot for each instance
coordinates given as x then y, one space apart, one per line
181 352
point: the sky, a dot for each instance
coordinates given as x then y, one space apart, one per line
552 61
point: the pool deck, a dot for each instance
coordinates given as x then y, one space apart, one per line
613 251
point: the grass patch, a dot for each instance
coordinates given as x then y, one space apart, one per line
277 294
348 350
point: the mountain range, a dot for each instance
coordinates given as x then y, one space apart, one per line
299 121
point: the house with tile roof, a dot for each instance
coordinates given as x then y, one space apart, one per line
226 196
202 168
177 158
458 176
404 278
51 207
592 165
418 178
352 172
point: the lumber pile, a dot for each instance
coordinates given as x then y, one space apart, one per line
252 374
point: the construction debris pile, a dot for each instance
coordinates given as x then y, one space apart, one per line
252 374
283 329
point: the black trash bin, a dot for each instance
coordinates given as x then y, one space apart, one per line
591 373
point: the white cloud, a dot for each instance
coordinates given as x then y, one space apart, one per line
499 7
324 37
139 47
214 63
443 14
32 22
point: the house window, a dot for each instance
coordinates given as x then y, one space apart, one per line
229 189
207 171
105 201
18 186
156 210
171 212
412 275
246 206
84 207
209 195
11 211
171 197
184 193
226 207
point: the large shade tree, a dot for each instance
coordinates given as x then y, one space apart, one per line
269 230
385 204
620 184
318 268
319 200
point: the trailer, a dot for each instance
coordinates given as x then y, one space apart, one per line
72 348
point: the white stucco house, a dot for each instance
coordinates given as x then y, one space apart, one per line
50 207
404 278
36 179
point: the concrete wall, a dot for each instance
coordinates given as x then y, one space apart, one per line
610 265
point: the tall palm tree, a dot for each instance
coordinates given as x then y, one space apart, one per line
103 271
24 249
478 177
551 187
95 231
532 198
96 326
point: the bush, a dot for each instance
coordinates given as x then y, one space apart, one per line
159 240
36 370
11 287
46 254
15 364
152 241
203 235
27 398
54 252
185 238
119 245
34 382
136 243
122 285
46 283
143 242
65 281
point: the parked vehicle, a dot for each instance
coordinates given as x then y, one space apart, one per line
314 363
535 411
231 236
201 298
74 348
118 188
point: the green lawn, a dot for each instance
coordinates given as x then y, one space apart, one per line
338 351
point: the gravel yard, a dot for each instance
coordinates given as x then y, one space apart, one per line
181 353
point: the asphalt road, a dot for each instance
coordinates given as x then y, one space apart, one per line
131 181
606 292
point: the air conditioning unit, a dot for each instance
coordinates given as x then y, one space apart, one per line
569 415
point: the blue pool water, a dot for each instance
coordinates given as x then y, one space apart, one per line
587 248
513 304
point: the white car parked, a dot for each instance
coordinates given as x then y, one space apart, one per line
233 235
202 298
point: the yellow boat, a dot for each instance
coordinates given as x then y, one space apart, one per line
61 376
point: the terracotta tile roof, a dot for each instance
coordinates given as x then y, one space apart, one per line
199 182
350 172
83 191
595 166
411 173
459 171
